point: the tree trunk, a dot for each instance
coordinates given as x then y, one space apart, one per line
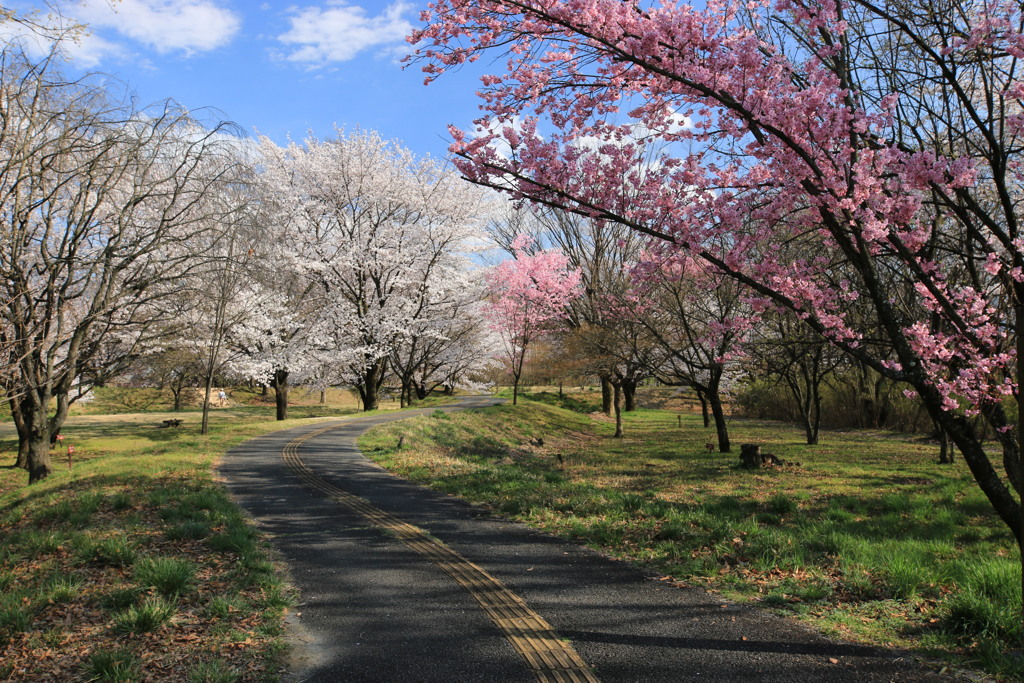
704 408
39 466
945 452
629 394
176 393
812 437
373 377
22 429
280 383
618 410
1019 321
323 397
606 396
718 412
421 390
204 427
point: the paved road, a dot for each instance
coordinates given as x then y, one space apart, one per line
373 609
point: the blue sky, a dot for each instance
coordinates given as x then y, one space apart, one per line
278 67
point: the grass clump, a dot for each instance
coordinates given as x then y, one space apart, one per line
148 616
213 671
118 599
119 665
168 575
115 551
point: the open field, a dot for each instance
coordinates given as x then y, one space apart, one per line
864 535
134 565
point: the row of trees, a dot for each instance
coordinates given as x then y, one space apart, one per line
855 163
146 236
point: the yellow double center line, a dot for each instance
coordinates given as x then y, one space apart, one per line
550 658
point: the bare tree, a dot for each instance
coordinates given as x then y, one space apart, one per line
99 204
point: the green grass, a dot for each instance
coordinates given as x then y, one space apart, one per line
139 538
119 665
147 616
869 538
213 671
168 575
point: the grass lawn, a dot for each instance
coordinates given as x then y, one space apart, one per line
134 565
868 538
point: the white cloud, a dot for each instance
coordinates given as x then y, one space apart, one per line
339 31
188 26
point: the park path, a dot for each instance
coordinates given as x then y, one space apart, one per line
401 584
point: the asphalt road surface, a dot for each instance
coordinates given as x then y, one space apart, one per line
378 605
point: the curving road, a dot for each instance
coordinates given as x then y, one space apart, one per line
401 584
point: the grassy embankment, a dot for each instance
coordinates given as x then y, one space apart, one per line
134 566
867 538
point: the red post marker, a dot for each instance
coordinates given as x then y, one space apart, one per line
71 449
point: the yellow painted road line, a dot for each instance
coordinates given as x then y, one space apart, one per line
550 658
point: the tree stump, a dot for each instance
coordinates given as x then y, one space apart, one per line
750 455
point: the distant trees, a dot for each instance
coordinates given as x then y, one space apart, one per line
700 321
527 296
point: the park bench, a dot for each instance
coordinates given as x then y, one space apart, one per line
173 422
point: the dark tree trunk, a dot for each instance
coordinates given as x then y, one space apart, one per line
629 394
323 397
812 436
23 433
176 393
945 451
39 465
704 408
280 384
606 396
1018 310
369 390
718 412
617 401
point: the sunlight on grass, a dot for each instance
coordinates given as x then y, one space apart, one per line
138 538
868 537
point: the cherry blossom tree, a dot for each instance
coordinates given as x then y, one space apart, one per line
819 152
528 296
377 236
